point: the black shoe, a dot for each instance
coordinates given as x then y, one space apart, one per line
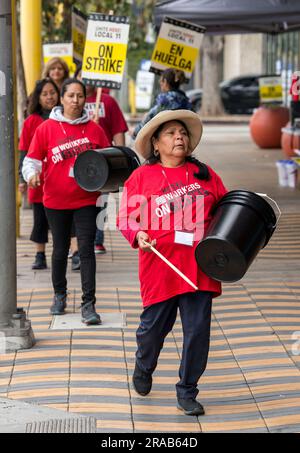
142 382
40 261
75 262
89 315
59 304
190 406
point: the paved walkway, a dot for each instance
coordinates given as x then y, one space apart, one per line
252 382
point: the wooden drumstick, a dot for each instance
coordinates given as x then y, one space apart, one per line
171 265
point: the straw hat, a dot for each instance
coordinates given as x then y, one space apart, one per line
190 119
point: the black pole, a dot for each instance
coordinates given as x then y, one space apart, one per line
15 330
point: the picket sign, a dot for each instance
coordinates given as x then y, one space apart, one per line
270 89
177 46
79 26
105 50
63 50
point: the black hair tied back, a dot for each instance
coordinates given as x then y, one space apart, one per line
203 173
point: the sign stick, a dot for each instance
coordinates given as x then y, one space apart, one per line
99 93
171 265
98 99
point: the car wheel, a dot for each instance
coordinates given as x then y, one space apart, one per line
196 105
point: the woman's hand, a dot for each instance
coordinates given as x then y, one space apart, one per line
141 237
34 181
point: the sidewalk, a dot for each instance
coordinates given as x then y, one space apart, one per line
252 382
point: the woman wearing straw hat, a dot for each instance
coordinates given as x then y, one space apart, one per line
166 207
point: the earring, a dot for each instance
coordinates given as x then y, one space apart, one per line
156 153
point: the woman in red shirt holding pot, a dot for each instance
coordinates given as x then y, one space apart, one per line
59 140
168 203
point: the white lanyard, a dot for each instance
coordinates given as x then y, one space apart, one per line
181 237
64 131
169 184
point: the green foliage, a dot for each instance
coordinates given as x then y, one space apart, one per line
54 27
135 56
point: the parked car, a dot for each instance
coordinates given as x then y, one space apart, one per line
239 95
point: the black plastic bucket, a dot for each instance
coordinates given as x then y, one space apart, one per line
242 225
105 169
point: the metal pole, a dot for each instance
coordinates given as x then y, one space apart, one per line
15 331
8 303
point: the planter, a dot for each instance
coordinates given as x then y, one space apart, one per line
296 141
266 124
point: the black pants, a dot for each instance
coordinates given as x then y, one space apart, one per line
294 111
99 239
60 222
157 321
40 228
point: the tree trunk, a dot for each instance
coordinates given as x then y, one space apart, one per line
211 100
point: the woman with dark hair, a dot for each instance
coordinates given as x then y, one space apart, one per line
170 98
59 140
111 119
168 203
57 69
44 97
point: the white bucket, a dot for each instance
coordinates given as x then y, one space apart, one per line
292 173
282 173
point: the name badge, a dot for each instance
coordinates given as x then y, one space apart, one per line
184 237
71 172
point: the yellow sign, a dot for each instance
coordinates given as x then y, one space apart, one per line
79 24
177 46
104 58
174 55
270 89
61 50
105 50
78 42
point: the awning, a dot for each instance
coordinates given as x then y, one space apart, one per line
234 16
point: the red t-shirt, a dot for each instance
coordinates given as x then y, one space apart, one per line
60 143
29 127
145 206
111 118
